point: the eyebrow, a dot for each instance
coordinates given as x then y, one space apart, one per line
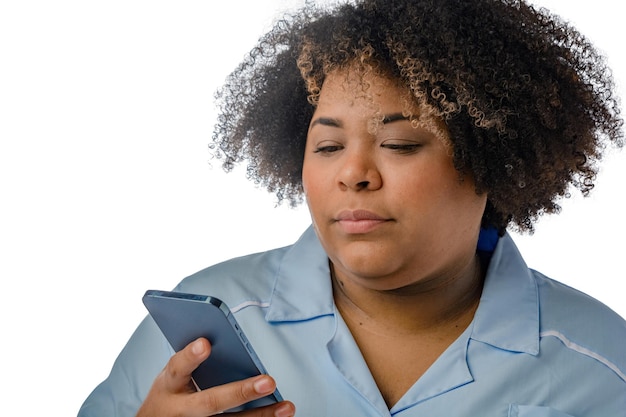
326 121
394 117
329 121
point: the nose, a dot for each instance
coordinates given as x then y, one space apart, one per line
359 171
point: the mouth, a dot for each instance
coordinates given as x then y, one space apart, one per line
359 221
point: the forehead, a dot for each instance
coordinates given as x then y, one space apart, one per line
365 86
374 96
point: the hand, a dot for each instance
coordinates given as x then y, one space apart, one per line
173 393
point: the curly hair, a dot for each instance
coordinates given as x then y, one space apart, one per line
528 101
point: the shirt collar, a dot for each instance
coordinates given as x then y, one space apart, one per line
508 313
507 316
302 289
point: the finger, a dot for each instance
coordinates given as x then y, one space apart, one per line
224 397
178 370
282 409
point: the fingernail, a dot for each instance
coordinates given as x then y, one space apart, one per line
263 386
197 348
283 411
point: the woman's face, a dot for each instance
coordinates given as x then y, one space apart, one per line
387 204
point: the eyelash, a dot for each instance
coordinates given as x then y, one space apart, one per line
402 149
328 149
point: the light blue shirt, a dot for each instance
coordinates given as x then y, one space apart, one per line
535 347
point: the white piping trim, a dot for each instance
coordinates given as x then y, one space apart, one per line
249 304
571 345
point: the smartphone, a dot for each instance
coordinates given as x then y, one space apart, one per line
185 317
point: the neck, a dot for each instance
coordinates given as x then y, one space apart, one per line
430 305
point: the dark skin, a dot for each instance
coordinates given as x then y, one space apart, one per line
389 345
172 393
399 227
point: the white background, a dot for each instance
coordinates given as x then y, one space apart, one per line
106 185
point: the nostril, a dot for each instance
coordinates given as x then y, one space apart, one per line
363 184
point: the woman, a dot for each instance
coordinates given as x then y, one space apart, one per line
418 132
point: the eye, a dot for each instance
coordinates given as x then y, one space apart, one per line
401 146
326 148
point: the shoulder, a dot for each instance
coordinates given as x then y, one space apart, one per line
545 317
574 312
253 277
581 323
245 277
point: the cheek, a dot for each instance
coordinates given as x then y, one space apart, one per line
313 178
439 189
311 189
306 178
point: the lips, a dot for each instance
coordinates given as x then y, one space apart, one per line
359 221
358 215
